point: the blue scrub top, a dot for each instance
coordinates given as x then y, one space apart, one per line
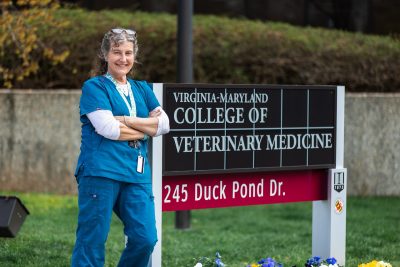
112 158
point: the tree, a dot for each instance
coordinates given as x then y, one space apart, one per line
21 48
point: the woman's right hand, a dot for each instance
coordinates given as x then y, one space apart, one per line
120 119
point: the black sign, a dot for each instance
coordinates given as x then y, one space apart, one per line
237 128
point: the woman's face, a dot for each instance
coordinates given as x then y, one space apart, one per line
120 59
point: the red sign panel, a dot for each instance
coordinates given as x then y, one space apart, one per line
242 189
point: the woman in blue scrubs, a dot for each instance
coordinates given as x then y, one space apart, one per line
118 115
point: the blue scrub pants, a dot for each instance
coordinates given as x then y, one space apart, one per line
134 205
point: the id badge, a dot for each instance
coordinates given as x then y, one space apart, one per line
140 164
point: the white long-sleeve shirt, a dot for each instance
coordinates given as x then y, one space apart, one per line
106 125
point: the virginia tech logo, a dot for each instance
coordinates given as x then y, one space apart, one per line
339 205
338 183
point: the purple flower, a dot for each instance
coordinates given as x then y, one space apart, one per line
331 260
313 261
309 262
264 260
317 259
218 262
269 262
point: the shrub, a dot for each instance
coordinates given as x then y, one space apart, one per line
20 47
225 51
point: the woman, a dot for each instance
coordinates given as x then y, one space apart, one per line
113 174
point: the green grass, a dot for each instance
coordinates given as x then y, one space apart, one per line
241 235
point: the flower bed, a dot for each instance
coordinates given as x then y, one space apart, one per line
270 262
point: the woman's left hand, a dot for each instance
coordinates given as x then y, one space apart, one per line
155 113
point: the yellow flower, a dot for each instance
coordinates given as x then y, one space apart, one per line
383 264
375 263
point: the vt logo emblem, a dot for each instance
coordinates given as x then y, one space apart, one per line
338 183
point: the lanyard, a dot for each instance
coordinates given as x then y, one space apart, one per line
132 106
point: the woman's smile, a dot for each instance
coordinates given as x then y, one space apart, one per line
120 60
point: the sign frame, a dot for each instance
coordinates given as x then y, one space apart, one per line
247 87
328 222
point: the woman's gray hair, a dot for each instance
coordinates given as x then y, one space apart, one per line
116 37
112 38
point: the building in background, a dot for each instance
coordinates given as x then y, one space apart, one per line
367 16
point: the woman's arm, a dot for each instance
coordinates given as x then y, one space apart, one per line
156 124
145 125
106 125
129 134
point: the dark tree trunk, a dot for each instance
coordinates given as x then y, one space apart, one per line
360 17
341 14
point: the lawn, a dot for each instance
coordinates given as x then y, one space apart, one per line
242 235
